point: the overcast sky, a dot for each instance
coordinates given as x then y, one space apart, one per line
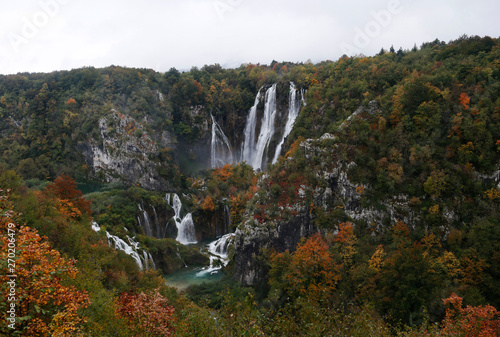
47 35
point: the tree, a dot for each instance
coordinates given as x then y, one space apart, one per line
44 304
147 314
71 201
310 271
470 321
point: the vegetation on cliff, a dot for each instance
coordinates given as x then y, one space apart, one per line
393 164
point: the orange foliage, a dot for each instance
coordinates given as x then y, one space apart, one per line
492 194
224 173
295 146
71 101
208 204
470 321
71 201
46 305
465 100
147 314
348 240
309 271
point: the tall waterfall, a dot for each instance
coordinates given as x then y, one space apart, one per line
253 153
249 140
221 153
185 226
293 112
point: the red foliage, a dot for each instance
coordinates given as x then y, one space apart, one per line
71 199
147 313
470 321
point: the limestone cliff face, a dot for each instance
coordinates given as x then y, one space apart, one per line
124 152
334 191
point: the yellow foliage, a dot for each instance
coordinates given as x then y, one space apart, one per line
376 262
492 194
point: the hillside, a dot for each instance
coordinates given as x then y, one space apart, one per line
360 195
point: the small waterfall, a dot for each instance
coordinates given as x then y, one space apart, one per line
95 226
293 112
221 153
157 224
185 227
227 218
146 224
131 248
180 257
219 251
186 233
149 260
249 139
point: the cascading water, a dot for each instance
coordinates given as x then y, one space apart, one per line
249 141
131 248
253 153
293 112
267 127
218 251
185 227
146 224
157 223
221 153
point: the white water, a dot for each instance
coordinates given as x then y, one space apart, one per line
221 153
157 223
146 224
249 140
267 127
293 112
219 251
253 153
131 248
185 227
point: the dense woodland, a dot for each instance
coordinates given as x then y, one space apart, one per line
432 136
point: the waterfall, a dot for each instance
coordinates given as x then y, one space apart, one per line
146 224
180 257
149 259
131 248
227 218
185 227
267 127
186 233
219 251
157 223
293 112
221 153
249 140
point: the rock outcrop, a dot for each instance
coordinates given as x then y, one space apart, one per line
124 152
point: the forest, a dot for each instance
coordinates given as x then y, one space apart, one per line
379 217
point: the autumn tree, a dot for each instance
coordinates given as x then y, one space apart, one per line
45 304
147 314
347 241
470 321
310 271
70 199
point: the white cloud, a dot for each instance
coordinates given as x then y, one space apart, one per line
171 33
